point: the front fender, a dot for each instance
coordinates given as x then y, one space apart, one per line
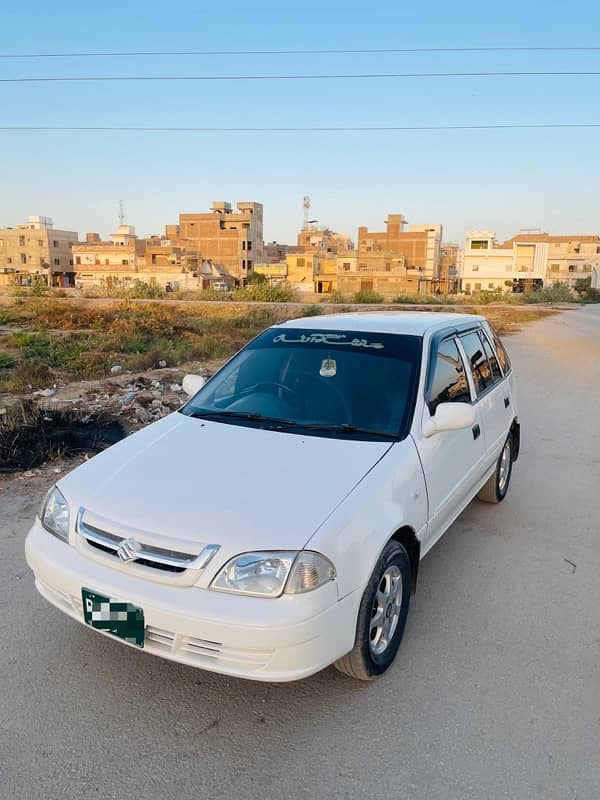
391 496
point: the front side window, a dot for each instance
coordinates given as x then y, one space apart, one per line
353 384
448 382
477 360
493 361
500 351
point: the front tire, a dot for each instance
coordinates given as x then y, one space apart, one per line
381 617
496 488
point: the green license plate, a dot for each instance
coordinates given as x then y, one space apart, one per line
120 619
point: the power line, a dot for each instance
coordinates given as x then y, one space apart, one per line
377 75
348 51
319 129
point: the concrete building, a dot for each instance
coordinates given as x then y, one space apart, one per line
231 238
526 261
274 253
448 276
118 258
323 241
37 249
391 262
569 258
301 271
275 273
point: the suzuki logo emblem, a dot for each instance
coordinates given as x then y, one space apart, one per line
128 550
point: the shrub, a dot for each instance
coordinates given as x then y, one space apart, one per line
335 297
266 294
312 311
551 294
365 296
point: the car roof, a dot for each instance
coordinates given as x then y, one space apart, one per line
410 323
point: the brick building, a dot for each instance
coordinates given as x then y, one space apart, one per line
231 238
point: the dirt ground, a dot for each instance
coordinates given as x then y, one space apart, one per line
495 693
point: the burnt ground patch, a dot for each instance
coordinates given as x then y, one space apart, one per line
31 435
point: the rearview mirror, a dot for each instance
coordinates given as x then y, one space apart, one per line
192 384
449 417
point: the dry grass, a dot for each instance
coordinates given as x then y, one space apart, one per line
46 338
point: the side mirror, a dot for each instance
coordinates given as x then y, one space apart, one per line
449 417
192 384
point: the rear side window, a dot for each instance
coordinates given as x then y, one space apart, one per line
478 362
448 382
495 367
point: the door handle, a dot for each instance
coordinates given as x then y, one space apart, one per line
476 431
506 402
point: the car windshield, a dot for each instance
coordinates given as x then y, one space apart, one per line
354 384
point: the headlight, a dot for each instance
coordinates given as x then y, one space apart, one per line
268 574
55 514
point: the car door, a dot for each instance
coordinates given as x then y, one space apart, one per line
452 461
492 392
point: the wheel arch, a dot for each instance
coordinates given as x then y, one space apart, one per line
408 539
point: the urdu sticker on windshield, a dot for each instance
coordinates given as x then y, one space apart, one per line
327 338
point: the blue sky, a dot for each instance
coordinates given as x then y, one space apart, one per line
504 180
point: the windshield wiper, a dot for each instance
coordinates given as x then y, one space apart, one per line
345 428
249 415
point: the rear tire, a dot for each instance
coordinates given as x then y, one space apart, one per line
496 488
381 617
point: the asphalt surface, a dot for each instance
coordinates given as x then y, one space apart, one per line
495 692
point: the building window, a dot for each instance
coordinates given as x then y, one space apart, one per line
154 258
346 266
300 262
554 267
243 244
243 263
78 260
467 287
475 268
249 264
124 262
40 242
477 287
57 262
54 243
572 268
21 241
23 258
9 260
490 285
249 245
479 244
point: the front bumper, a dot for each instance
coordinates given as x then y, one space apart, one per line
281 639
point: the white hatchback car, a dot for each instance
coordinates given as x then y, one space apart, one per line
275 523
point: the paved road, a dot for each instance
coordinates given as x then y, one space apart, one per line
495 693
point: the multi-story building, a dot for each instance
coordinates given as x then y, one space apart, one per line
231 238
37 248
301 271
526 261
323 241
569 259
274 253
393 261
97 260
448 276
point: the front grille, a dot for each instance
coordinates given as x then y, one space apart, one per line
147 555
144 561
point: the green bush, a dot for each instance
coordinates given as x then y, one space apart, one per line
312 311
365 296
550 294
266 294
6 360
337 298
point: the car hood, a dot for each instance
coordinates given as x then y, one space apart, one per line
244 488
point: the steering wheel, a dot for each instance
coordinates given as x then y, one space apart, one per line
332 388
